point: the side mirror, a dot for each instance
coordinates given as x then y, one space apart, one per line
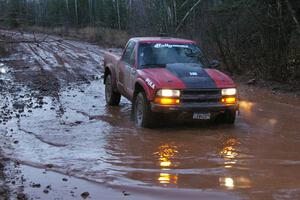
215 63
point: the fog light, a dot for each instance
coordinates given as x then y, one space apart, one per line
229 100
167 101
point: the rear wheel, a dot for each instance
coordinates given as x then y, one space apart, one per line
112 98
143 116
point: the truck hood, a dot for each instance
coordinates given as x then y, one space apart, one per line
191 76
162 78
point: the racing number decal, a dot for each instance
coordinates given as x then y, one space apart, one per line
150 83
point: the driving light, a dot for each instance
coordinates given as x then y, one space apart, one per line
229 100
229 92
168 93
167 101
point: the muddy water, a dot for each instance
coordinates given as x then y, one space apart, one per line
257 158
75 133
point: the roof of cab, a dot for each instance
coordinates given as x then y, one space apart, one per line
161 39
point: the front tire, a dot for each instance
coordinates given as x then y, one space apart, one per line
112 98
229 117
143 116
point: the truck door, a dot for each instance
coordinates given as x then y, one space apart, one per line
125 67
131 73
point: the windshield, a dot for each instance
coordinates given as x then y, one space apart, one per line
160 54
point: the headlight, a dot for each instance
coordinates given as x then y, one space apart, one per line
168 93
229 92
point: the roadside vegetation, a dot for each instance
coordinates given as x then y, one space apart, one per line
254 38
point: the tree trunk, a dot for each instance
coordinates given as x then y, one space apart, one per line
76 12
118 13
293 15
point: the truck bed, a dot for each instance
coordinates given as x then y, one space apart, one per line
111 59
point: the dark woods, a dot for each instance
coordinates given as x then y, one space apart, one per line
256 37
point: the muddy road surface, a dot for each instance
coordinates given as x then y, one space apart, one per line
65 143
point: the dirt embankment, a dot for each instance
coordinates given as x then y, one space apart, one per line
3 188
106 37
289 89
32 70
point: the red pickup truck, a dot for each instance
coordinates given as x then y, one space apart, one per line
169 77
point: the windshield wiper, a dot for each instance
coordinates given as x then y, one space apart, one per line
152 65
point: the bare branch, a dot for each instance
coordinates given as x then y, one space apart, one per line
293 15
183 4
186 15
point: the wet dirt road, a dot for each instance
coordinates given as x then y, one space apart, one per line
54 117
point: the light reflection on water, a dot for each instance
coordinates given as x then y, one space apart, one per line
166 153
235 182
227 182
166 178
230 153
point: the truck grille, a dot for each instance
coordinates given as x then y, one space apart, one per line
200 95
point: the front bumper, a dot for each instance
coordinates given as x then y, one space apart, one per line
194 107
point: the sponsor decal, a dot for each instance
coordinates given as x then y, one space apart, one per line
150 83
170 46
193 74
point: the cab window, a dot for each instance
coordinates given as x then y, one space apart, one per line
129 54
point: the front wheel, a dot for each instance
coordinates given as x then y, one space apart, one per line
229 116
143 116
112 98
